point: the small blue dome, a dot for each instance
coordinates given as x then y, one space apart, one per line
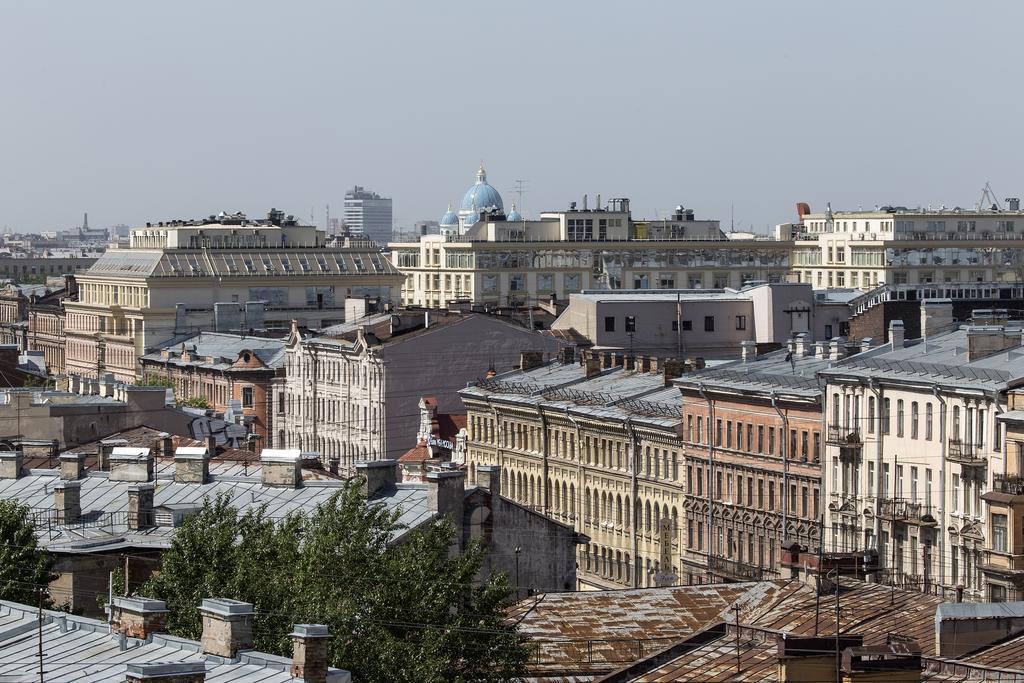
480 195
514 215
449 219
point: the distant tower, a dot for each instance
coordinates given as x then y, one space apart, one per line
85 221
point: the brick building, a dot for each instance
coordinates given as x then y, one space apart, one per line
222 368
753 438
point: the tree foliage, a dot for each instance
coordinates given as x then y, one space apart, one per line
155 381
404 612
24 566
195 402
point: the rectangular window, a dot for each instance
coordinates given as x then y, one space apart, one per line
956 493
928 421
771 440
630 323
247 401
609 323
999 533
885 416
871 479
760 438
871 414
741 322
709 323
913 420
899 417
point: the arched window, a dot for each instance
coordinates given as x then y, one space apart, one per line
647 516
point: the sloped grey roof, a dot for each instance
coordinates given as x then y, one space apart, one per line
104 504
313 263
219 346
81 650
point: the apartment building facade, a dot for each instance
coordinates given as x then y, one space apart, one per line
914 448
752 435
596 445
166 283
492 260
897 245
356 397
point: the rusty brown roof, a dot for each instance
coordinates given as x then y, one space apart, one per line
594 633
1006 655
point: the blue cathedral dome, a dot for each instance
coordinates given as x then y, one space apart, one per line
514 215
449 219
480 195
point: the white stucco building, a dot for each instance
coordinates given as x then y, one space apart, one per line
898 245
913 443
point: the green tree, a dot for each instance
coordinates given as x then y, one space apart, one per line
24 566
195 402
412 609
155 381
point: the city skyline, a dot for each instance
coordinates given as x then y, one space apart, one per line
750 108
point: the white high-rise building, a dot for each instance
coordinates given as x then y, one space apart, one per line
368 214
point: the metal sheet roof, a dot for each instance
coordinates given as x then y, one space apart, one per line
80 650
104 504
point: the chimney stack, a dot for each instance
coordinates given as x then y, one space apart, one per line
191 465
309 652
178 672
72 466
334 465
748 349
140 506
446 494
488 477
67 501
866 343
592 365
378 475
628 362
11 464
936 317
211 445
896 334
227 627
138 617
166 445
131 464
800 349
989 340
836 348
282 467
107 447
528 360
672 369
567 355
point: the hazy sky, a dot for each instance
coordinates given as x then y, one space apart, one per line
137 111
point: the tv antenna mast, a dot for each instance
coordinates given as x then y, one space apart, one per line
988 198
520 189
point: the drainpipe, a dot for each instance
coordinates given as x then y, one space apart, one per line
578 498
783 444
711 479
634 522
942 469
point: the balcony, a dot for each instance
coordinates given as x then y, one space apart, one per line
844 437
910 512
735 570
1008 483
965 453
844 504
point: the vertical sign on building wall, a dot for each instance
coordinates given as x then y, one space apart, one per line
666 575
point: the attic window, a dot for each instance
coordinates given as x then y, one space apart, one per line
246 357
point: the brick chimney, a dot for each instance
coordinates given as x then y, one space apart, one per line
488 477
896 334
140 506
11 463
131 464
643 364
282 467
178 672
672 369
528 360
107 447
988 340
227 627
67 501
72 466
446 492
309 652
800 347
138 617
810 658
936 317
191 465
836 347
567 355
748 350
378 475
592 365
628 362
166 445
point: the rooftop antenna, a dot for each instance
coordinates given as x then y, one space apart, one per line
988 197
520 189
732 218
328 226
